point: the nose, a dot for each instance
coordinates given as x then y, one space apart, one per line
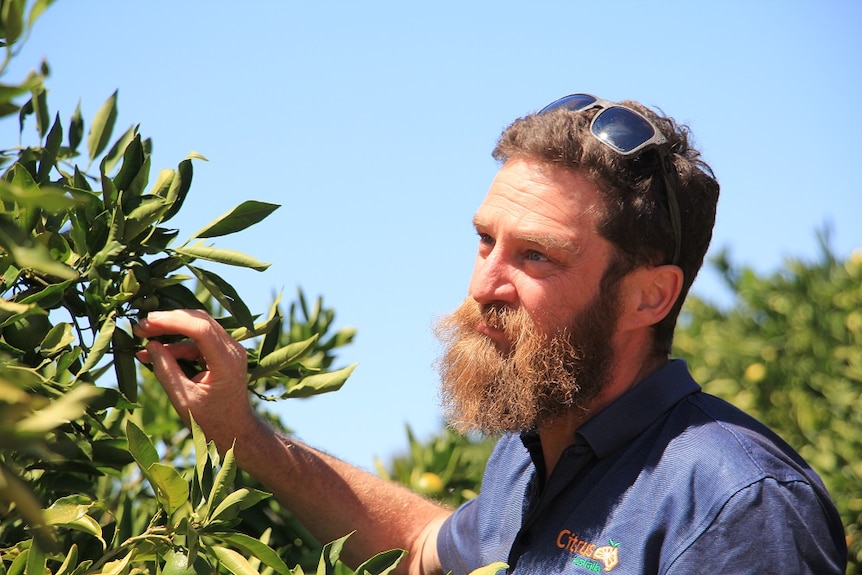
491 282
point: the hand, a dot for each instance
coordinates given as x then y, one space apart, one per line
217 396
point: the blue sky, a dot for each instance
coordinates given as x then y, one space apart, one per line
372 123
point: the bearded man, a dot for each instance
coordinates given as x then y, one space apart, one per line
611 458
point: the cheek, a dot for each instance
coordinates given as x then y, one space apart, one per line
553 305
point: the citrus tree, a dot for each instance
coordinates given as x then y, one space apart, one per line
789 351
97 473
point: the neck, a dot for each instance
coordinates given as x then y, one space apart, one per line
559 433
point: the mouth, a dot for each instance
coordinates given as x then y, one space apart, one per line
496 335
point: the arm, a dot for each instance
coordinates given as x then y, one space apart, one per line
330 497
768 527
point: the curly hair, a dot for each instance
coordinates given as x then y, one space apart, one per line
636 216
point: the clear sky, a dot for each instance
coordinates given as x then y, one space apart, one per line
372 123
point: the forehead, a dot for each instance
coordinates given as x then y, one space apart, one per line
533 197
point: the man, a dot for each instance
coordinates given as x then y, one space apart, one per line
611 458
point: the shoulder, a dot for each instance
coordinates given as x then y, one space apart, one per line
718 432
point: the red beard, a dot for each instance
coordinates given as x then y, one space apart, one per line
537 379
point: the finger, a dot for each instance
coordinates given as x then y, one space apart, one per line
187 350
169 374
222 353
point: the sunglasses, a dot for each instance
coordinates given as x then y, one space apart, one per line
628 133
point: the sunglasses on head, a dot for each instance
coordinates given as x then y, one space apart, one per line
628 133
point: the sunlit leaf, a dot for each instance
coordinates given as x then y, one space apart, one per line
140 446
242 498
102 127
255 548
64 409
491 569
330 555
239 218
171 489
319 383
382 563
223 256
223 483
282 357
233 561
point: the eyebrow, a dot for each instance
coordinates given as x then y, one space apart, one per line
545 240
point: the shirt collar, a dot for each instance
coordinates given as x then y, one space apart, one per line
631 413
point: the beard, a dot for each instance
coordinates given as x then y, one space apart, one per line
537 379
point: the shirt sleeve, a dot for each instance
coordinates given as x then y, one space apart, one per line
482 530
768 527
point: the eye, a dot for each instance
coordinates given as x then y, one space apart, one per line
486 239
534 256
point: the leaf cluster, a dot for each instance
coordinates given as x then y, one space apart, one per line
87 248
447 467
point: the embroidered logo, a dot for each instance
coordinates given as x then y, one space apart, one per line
588 555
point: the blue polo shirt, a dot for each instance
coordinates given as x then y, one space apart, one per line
667 479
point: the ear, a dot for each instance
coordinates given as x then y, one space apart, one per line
650 294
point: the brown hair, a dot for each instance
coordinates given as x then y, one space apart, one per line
636 217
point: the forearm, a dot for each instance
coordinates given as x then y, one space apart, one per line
330 497
333 498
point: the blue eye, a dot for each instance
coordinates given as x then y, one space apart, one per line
535 256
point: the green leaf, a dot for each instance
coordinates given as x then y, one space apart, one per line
233 561
13 489
48 157
113 156
171 489
33 256
140 446
330 555
147 211
133 161
48 292
224 293
100 345
491 569
163 183
76 128
382 563
222 484
200 444
254 548
71 512
282 357
319 383
37 9
222 256
239 218
37 560
180 184
13 20
57 339
70 562
40 109
242 498
103 127
125 368
64 409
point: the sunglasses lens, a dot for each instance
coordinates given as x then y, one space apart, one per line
573 102
622 129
